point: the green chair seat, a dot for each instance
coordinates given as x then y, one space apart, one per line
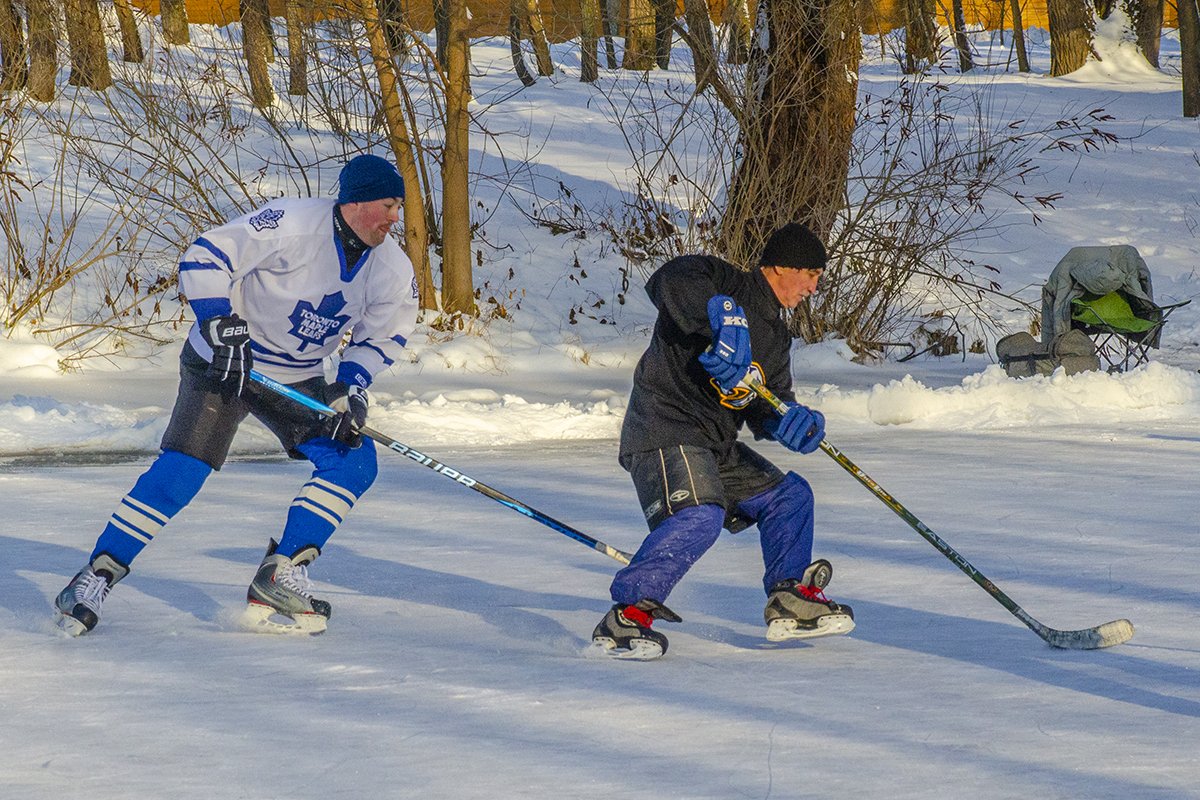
1110 311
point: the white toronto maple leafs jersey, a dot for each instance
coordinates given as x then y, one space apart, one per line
283 270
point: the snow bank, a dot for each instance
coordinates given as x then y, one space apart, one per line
987 400
992 400
22 355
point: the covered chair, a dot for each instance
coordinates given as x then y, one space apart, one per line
1106 292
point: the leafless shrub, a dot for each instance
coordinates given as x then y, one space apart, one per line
681 146
75 271
173 148
934 177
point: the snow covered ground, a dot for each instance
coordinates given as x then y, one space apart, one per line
454 664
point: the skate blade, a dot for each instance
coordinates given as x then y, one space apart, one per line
258 618
638 650
71 626
781 630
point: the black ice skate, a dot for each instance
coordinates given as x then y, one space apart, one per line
625 631
280 599
799 609
80 602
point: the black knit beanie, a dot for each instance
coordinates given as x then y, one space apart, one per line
795 246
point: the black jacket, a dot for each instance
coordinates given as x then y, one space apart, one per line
674 400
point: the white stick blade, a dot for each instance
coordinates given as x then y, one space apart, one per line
1112 633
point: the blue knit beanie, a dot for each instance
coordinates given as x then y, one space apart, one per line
366 178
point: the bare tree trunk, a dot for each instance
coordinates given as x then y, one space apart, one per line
1018 27
175 21
737 27
1147 18
921 46
589 40
416 229
131 40
41 16
1189 45
664 20
700 40
1071 28
441 27
297 14
537 35
611 9
255 43
14 69
458 289
516 11
89 53
797 128
269 31
394 15
639 35
961 43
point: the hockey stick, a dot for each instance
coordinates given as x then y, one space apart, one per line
1110 633
451 473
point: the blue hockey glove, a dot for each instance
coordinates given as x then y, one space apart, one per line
800 428
229 338
351 404
729 357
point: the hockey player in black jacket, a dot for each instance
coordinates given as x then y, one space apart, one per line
715 325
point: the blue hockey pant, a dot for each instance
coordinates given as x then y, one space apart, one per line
783 514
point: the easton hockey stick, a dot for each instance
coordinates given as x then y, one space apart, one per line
1110 633
442 469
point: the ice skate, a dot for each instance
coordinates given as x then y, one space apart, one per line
625 631
799 609
280 600
80 602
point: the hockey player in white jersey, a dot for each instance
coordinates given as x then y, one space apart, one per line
278 288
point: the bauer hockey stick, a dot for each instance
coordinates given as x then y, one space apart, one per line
1110 633
442 469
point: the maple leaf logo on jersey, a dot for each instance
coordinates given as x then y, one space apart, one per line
315 325
267 218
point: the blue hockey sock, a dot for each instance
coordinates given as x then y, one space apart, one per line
341 476
166 487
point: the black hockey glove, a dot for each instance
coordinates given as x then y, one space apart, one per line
351 404
229 338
